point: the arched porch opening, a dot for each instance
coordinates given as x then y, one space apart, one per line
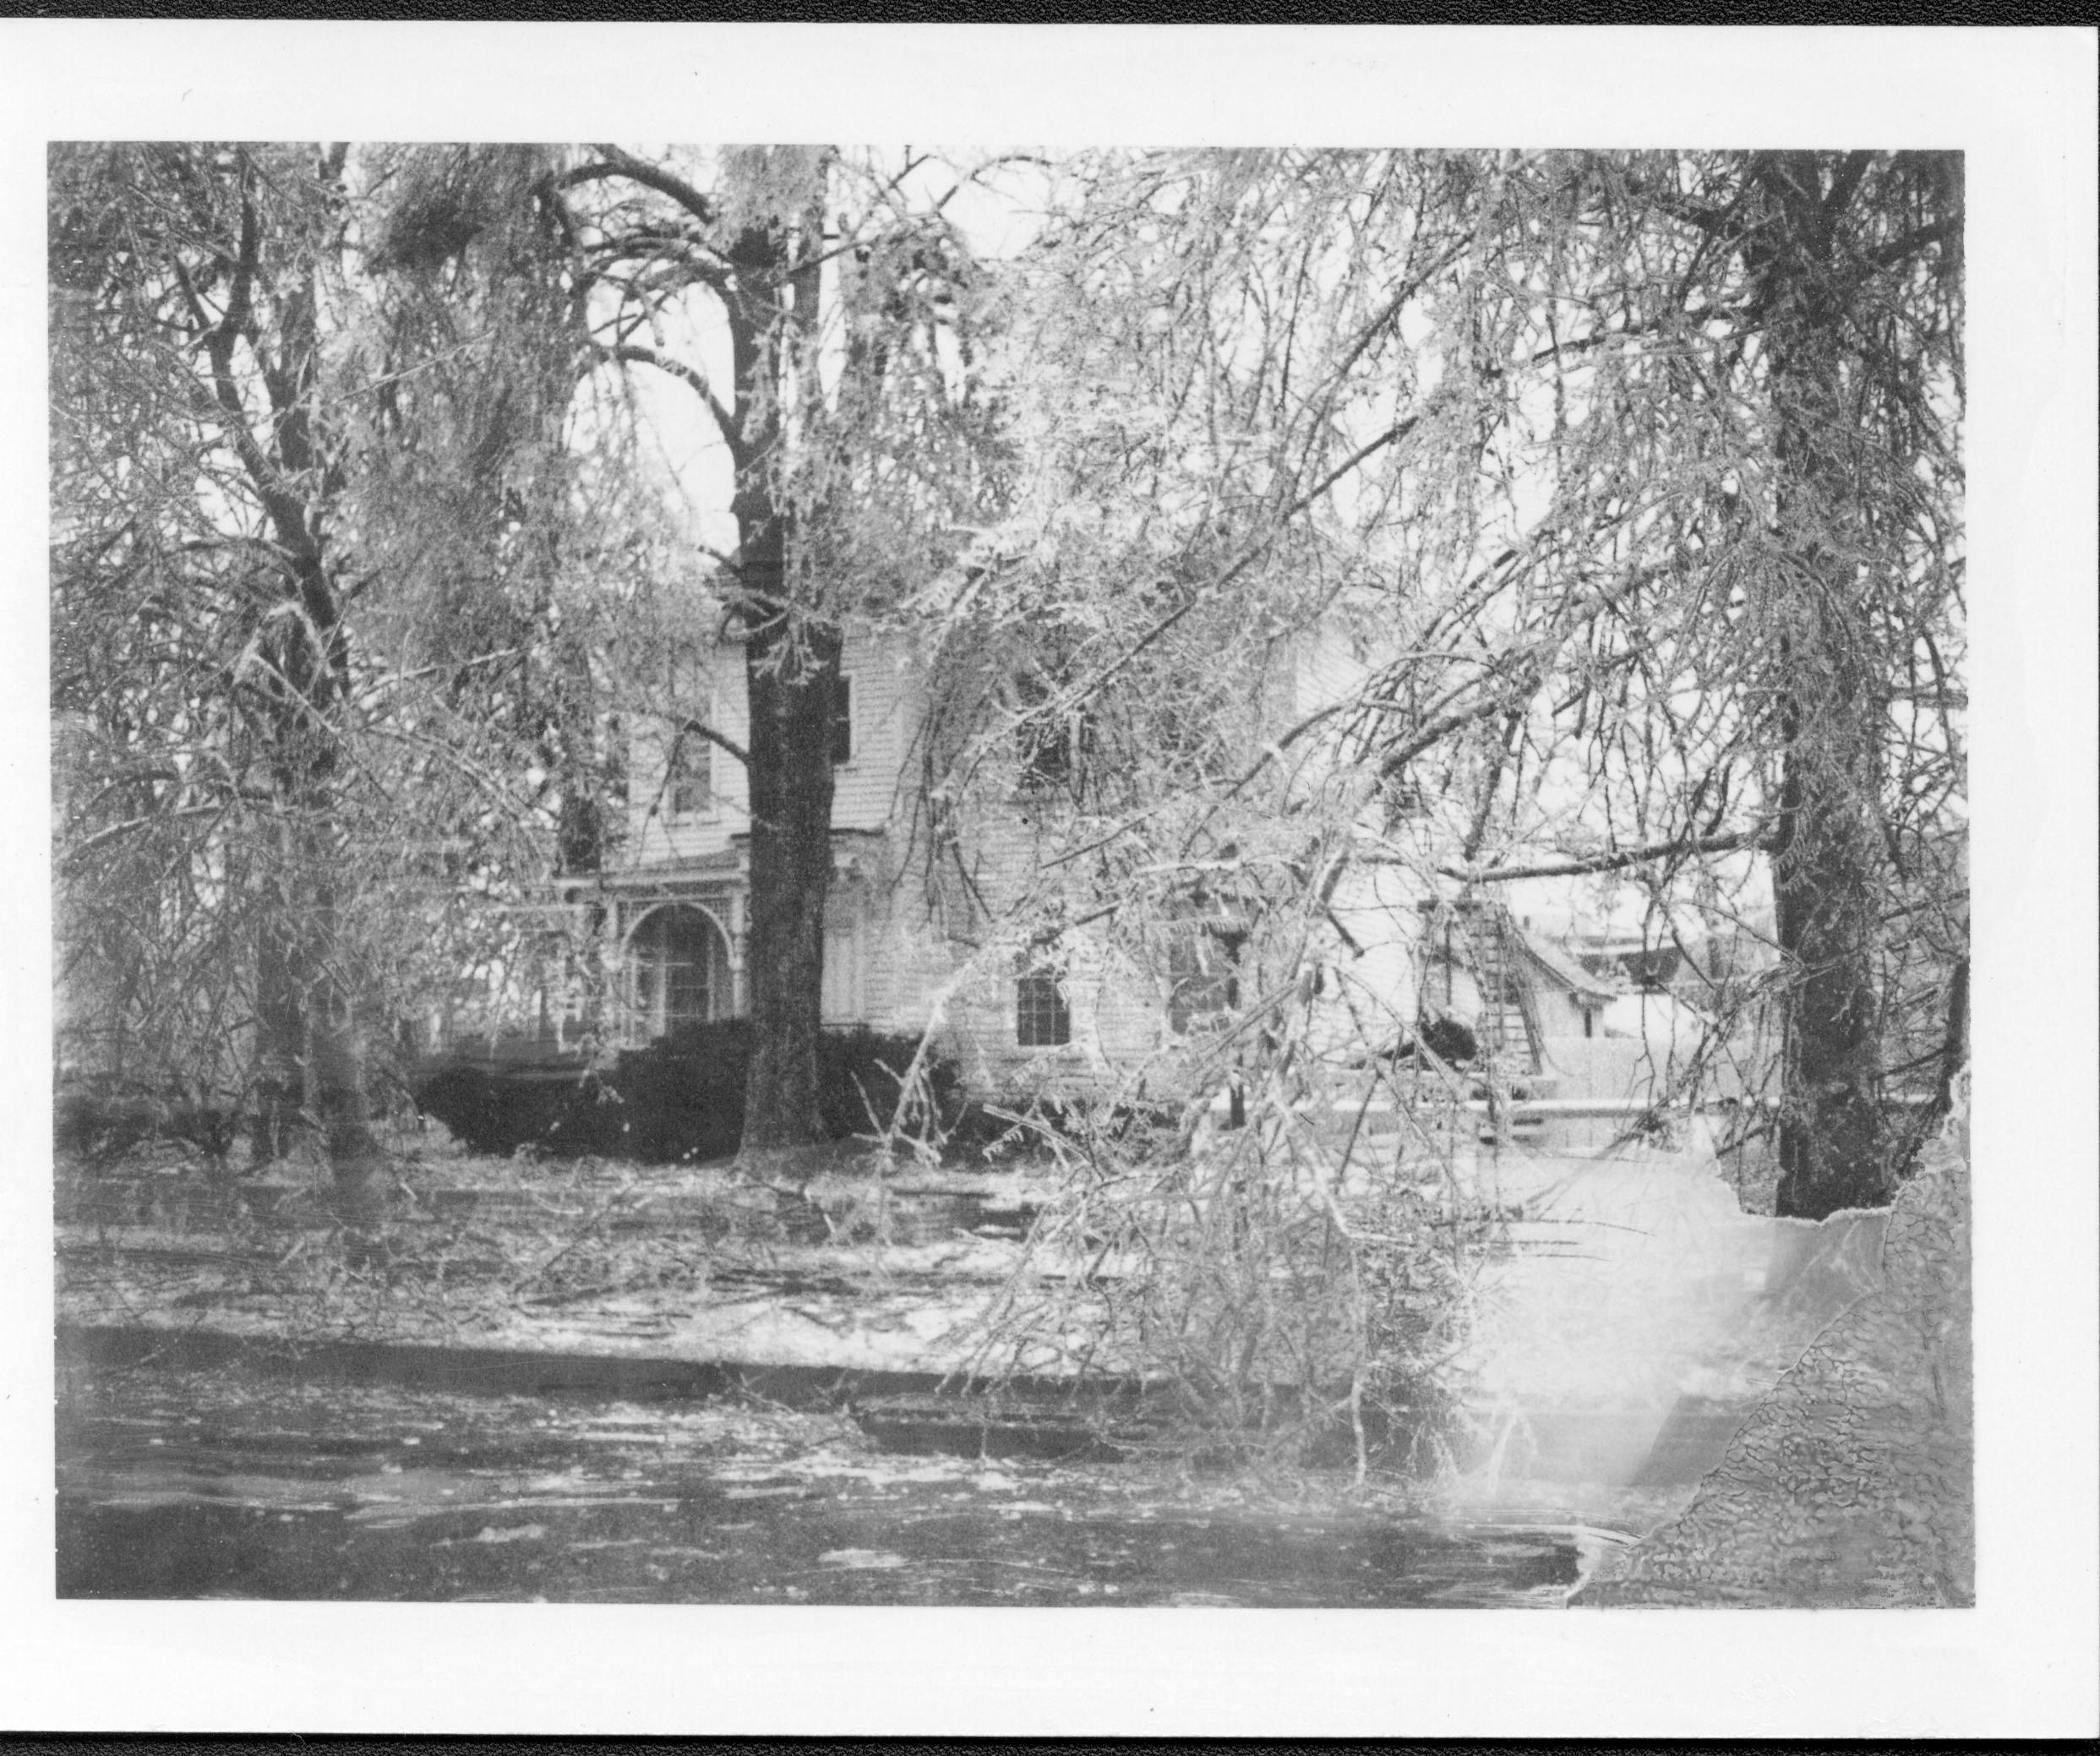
678 969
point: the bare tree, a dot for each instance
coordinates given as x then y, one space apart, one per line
834 372
1742 375
194 469
1624 495
272 841
1637 481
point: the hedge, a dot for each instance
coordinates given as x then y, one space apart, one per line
680 1099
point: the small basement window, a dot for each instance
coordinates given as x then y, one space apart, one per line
1041 1017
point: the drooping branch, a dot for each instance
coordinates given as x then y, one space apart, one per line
1681 848
635 353
616 161
1254 552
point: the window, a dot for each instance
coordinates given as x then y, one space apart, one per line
689 785
1203 975
1403 795
1046 757
842 722
1052 748
1041 1018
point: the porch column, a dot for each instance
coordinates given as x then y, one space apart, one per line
735 916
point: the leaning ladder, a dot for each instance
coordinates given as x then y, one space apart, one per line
1509 1021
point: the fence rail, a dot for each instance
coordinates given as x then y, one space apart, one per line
1547 1109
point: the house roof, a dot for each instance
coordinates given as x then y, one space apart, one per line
1557 965
1563 969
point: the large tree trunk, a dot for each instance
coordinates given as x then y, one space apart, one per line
312 1060
305 992
1826 869
355 1161
792 674
1832 1152
787 448
280 1042
792 648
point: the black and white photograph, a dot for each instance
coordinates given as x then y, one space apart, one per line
1152 873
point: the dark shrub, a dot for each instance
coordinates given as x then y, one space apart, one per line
681 1098
492 1107
1449 1040
861 1069
103 1119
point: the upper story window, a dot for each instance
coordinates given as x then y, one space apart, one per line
689 767
689 781
1203 974
844 747
1401 793
1047 757
1042 1018
1052 746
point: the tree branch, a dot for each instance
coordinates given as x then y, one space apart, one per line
649 244
1850 170
1912 241
1714 221
1398 430
700 729
222 402
240 299
618 163
1737 841
131 826
693 379
1502 700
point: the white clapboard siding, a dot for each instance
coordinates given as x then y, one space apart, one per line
906 947
887 696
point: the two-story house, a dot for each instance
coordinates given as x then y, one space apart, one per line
940 894
926 886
